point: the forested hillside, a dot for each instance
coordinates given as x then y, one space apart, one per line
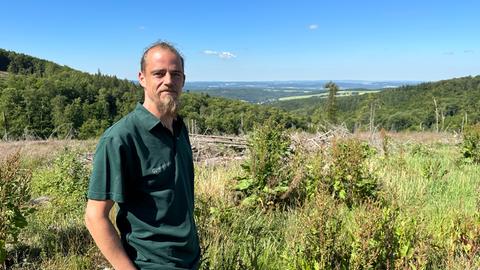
443 105
41 99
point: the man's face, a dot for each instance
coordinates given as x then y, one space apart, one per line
162 80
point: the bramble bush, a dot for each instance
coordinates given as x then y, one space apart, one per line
14 197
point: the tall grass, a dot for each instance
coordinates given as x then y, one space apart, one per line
424 213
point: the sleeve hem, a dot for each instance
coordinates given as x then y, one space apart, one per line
105 196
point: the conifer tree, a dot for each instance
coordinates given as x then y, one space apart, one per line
331 102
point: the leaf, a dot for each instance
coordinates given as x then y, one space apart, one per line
281 189
19 220
244 184
3 252
250 200
404 250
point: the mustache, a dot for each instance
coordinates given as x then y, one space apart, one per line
168 90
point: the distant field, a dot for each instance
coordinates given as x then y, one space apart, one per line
340 94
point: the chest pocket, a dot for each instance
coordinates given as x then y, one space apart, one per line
159 176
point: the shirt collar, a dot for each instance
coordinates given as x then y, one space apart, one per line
150 121
147 119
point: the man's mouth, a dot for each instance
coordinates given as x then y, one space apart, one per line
169 91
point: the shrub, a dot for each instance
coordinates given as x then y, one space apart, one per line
65 183
57 226
267 167
324 242
471 144
349 178
386 143
420 150
14 197
374 245
307 171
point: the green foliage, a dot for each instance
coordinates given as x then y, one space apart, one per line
467 238
420 150
41 99
92 128
56 228
65 183
323 243
471 144
14 197
417 222
402 108
349 178
433 169
267 171
374 244
214 115
386 142
331 102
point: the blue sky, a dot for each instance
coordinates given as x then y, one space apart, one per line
255 40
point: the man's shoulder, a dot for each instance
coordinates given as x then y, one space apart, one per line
122 129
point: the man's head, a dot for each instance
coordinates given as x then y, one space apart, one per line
163 45
162 77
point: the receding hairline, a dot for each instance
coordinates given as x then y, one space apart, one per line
162 45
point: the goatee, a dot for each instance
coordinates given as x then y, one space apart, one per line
169 105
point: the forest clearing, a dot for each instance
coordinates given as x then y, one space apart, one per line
271 200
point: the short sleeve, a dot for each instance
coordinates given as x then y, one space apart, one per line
107 181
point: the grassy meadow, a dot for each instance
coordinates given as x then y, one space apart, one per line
342 93
370 201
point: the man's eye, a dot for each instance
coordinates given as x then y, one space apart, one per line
159 74
177 74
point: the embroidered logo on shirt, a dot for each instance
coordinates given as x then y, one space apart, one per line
161 168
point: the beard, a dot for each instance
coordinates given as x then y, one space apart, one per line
168 106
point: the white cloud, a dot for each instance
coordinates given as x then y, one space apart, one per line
210 52
141 28
468 51
226 55
449 53
313 26
223 55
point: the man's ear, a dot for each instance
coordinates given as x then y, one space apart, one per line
141 79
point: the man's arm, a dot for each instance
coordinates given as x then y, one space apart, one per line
105 235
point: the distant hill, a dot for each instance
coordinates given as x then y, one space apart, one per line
442 105
40 99
271 91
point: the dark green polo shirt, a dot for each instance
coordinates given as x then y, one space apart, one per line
148 171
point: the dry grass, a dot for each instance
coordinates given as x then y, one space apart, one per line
46 148
212 181
425 137
43 149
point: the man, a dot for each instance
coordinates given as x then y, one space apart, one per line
144 164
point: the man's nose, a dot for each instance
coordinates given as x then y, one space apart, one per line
167 79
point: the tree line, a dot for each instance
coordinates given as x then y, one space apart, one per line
446 105
41 99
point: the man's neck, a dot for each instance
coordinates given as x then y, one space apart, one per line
166 119
167 122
